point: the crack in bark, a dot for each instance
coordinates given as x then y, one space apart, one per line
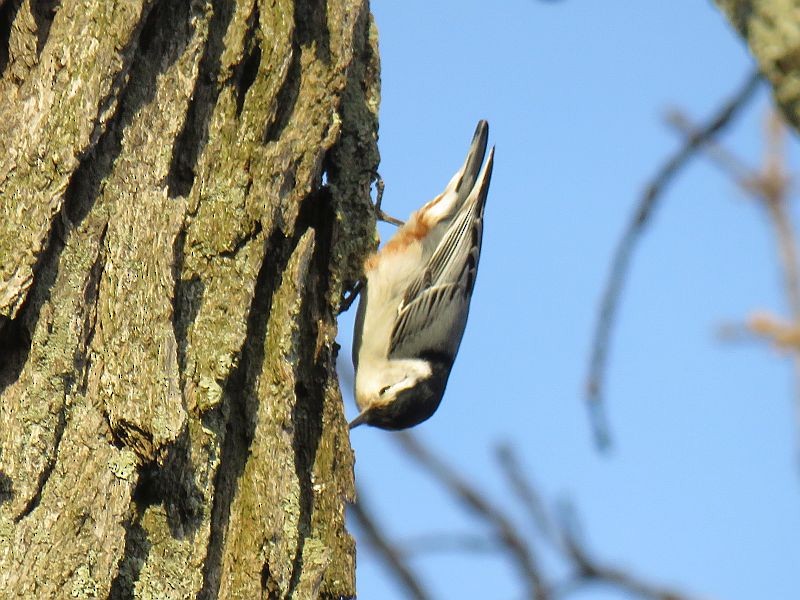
268 584
164 34
14 348
172 484
193 137
311 370
186 298
244 73
134 556
243 241
91 297
119 90
44 476
16 335
8 12
128 434
238 411
90 301
6 488
43 11
311 27
286 98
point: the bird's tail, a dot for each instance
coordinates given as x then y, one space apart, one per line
448 203
464 180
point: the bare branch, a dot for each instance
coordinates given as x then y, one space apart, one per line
622 256
589 571
463 543
527 495
506 532
563 534
726 161
560 528
393 558
772 186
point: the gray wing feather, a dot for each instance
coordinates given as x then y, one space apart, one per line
433 322
433 314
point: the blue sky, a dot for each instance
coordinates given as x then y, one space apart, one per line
701 490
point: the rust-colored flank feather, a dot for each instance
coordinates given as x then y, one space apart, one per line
416 228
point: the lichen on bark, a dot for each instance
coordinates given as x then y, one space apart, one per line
771 29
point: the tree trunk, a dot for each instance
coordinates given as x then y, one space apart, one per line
184 195
771 29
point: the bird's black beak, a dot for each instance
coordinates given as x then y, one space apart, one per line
359 420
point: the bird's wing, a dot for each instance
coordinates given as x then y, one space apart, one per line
433 313
433 323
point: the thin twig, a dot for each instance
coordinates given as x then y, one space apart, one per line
506 532
394 559
527 495
775 188
726 161
622 256
775 194
563 536
562 531
589 571
463 543
772 186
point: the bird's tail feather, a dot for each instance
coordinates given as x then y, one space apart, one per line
449 203
468 174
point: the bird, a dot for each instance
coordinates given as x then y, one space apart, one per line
414 300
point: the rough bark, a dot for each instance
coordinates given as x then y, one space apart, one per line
184 195
771 29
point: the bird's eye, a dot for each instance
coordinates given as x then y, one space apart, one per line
384 390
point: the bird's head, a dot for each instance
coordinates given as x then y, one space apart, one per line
400 394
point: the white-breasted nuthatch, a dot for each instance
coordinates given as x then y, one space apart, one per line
415 300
